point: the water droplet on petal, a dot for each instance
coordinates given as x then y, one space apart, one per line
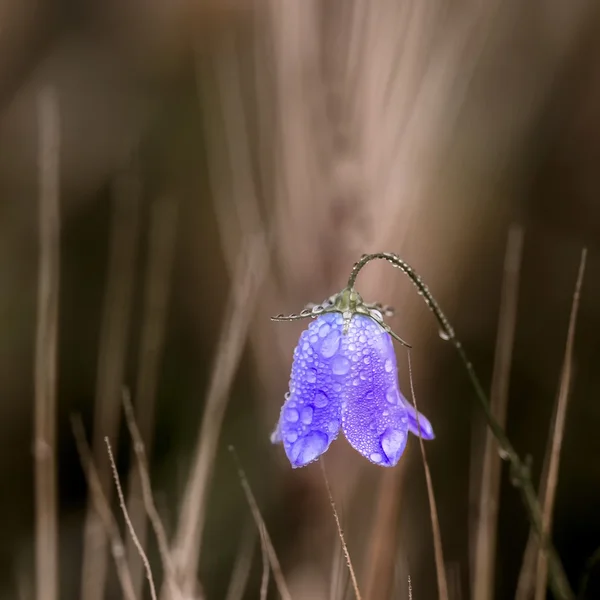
392 443
340 365
376 457
444 335
337 387
291 415
367 360
307 415
356 382
331 344
321 400
314 339
291 437
388 365
392 395
324 330
308 448
333 426
311 375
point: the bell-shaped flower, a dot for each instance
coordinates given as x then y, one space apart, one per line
344 375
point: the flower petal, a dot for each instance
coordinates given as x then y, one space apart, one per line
311 416
374 419
413 426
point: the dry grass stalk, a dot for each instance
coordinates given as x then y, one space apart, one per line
243 564
130 528
260 524
161 250
103 510
382 548
46 349
484 551
114 333
143 476
340 533
246 282
264 584
558 433
435 524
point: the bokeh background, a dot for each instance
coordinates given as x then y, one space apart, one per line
223 161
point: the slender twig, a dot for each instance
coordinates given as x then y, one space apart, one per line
161 250
435 523
260 524
340 533
487 518
520 473
130 528
243 563
558 433
264 584
148 498
102 507
112 352
247 280
46 349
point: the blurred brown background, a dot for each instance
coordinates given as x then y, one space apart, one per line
221 162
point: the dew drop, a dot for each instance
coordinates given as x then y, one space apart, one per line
392 443
308 448
291 437
331 344
337 387
388 365
321 400
356 382
311 375
362 339
367 360
444 335
324 330
376 457
392 395
307 415
340 365
314 339
287 396
291 415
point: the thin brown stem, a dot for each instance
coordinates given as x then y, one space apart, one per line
46 349
143 473
260 525
130 528
161 250
102 507
340 533
114 336
435 523
485 541
558 433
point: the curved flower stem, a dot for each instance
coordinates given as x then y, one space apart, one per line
520 472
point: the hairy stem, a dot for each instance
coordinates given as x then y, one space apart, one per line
520 473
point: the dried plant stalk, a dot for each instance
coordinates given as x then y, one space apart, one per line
102 506
46 349
161 250
484 551
114 334
246 282
557 435
260 524
435 523
128 523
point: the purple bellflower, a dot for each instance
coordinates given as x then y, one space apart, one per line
344 375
